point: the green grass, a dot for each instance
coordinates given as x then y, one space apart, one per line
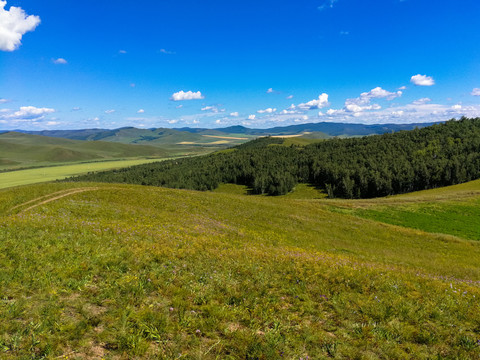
453 210
51 173
115 271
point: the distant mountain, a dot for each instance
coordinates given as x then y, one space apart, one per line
329 128
228 136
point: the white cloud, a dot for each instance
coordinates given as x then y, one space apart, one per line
122 52
402 88
14 23
422 101
334 111
25 113
76 108
3 101
379 93
422 80
52 123
270 91
251 117
218 121
289 112
235 114
141 111
111 111
133 85
358 108
60 61
476 92
362 103
267 111
212 109
457 107
289 97
189 95
328 4
178 106
319 103
344 32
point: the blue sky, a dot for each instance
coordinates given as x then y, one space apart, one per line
83 64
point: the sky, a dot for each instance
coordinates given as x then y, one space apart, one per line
211 64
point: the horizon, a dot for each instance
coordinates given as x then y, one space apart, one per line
215 64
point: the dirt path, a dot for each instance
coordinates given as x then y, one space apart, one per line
48 198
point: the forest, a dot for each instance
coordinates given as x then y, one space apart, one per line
371 166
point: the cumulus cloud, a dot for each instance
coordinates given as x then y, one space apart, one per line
379 93
60 61
14 23
267 111
234 114
476 92
422 80
25 113
457 107
270 91
319 103
251 117
188 95
362 103
141 111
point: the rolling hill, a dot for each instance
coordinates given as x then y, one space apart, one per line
93 270
19 150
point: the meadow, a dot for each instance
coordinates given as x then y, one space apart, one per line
59 172
111 271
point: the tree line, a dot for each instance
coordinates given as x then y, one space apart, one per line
372 166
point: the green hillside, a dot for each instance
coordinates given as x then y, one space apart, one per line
114 271
23 150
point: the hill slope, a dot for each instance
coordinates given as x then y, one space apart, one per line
96 270
23 150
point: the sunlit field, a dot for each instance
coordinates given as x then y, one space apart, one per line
113 271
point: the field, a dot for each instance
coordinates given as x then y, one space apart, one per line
51 173
116 271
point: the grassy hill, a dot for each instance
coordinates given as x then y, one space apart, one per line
114 271
24 150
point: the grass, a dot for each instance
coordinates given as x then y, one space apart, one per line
453 210
114 271
22 150
51 173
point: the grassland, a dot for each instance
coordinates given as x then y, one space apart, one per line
111 271
22 150
51 173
